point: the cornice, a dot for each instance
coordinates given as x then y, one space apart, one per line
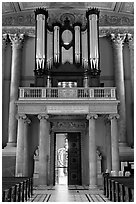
103 30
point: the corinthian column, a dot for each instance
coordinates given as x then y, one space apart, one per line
4 45
16 41
92 151
43 149
114 143
131 49
118 41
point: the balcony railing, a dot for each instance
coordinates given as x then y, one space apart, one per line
93 93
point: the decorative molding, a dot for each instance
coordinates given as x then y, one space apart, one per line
108 30
27 31
72 125
69 107
28 18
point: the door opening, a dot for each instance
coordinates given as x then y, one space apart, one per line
68 158
61 159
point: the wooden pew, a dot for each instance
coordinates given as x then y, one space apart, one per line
17 189
119 189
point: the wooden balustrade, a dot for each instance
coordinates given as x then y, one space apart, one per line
93 93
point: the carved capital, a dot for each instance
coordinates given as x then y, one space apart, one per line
91 116
118 39
4 40
113 116
43 117
21 117
130 41
16 40
27 121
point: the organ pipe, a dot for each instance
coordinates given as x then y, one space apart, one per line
41 18
77 44
84 49
93 36
56 44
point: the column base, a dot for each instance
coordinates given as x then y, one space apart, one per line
93 187
11 144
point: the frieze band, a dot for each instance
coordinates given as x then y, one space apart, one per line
28 19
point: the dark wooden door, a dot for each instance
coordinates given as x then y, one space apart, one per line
74 158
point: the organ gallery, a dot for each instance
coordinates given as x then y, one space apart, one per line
68 112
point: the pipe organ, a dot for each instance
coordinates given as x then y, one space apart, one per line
67 42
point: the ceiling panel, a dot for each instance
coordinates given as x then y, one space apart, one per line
117 7
8 7
102 5
32 5
127 7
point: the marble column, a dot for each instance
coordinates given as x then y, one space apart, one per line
108 144
114 143
43 149
4 45
92 151
130 40
16 41
117 41
26 148
20 145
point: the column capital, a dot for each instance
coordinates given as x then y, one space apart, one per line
91 116
21 116
27 120
113 116
118 39
130 40
4 40
43 117
17 40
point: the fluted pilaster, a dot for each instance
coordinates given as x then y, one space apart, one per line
114 142
43 149
117 41
92 151
16 41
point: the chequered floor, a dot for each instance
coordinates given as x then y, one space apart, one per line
63 193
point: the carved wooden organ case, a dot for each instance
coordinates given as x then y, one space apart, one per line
65 49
